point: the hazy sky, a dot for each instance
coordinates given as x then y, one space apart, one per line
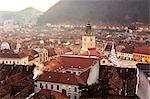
16 5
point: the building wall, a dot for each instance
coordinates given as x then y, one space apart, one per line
69 53
34 61
143 86
88 42
141 58
43 55
105 62
70 89
17 61
125 56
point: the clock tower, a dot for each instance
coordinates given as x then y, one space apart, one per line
88 39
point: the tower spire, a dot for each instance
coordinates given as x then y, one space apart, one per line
113 56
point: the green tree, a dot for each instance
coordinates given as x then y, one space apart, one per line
99 89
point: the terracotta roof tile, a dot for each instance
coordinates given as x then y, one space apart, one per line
69 62
57 77
11 54
46 93
142 50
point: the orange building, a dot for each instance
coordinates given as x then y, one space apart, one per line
142 54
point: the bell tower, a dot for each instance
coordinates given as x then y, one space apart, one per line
88 39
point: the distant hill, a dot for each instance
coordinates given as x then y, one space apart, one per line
26 16
97 11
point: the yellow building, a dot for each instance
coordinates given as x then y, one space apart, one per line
141 57
43 54
142 54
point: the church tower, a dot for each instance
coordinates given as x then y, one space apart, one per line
88 39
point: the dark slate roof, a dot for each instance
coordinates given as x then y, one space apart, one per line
11 54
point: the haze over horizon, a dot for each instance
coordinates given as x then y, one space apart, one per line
17 5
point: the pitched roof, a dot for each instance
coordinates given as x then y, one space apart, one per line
11 54
91 52
31 53
85 75
77 62
119 48
57 77
46 93
128 49
51 52
142 50
69 62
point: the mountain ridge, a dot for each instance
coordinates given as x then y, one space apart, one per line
98 11
25 16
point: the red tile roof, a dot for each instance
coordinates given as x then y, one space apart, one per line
51 52
77 62
65 50
62 50
119 48
85 75
11 54
46 92
69 62
142 50
31 53
91 52
52 65
57 77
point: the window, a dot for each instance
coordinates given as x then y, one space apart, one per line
35 85
75 89
57 87
103 62
51 86
68 71
69 89
41 86
91 39
46 86
75 97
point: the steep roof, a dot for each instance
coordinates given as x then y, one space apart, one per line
57 77
11 54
